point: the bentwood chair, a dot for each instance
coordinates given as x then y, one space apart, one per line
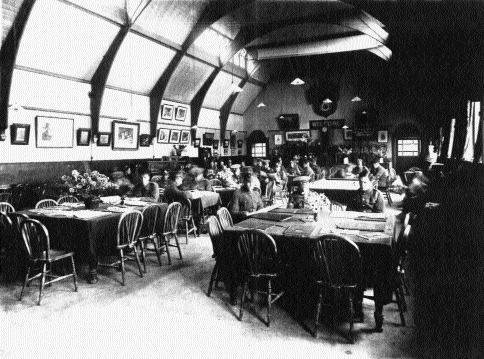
186 218
6 207
402 251
170 229
225 218
41 257
260 262
148 232
215 231
67 199
129 227
46 203
6 234
336 267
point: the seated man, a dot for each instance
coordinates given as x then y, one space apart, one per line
378 175
146 190
172 193
344 173
245 199
195 181
307 170
359 167
293 168
368 199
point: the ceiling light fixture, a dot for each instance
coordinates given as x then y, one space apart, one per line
327 100
356 99
262 104
345 127
297 81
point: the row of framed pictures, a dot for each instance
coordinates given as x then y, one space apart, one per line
56 132
167 112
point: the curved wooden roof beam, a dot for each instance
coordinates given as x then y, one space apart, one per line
8 56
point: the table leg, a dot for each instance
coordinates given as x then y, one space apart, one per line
378 316
92 276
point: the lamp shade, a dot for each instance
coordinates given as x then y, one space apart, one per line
297 81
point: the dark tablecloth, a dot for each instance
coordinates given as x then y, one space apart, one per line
225 195
295 252
87 238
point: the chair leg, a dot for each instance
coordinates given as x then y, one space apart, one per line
352 316
123 270
42 282
166 240
405 283
212 278
74 274
25 282
186 231
157 249
318 312
178 246
143 254
242 300
194 228
399 295
269 302
390 202
136 256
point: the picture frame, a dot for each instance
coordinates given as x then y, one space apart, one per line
175 136
226 144
233 151
163 135
348 134
197 142
226 151
83 136
239 152
240 143
233 141
215 144
54 132
185 136
293 136
382 136
167 112
19 134
180 113
125 135
144 141
278 140
104 139
207 138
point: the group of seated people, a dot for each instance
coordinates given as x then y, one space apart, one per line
263 176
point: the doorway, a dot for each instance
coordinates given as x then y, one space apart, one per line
408 147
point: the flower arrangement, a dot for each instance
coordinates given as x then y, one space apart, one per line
88 184
318 202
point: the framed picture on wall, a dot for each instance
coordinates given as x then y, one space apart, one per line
233 141
103 139
239 152
297 136
382 136
226 151
234 151
19 134
83 136
215 143
226 143
197 142
175 136
144 140
278 140
207 139
185 136
163 135
54 132
348 134
167 112
125 135
240 143
181 113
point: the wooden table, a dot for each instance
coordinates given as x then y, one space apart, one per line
295 250
201 201
225 194
341 190
88 238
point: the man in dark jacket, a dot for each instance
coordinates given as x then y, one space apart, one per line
172 193
369 199
146 190
245 199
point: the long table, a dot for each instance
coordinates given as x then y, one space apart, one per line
341 190
87 237
202 200
293 238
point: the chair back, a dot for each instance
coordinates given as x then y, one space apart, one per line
171 217
129 227
35 239
6 227
150 220
216 235
225 218
46 203
6 207
258 252
6 197
215 182
336 261
402 245
17 219
67 199
186 208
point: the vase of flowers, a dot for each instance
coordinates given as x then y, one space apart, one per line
88 186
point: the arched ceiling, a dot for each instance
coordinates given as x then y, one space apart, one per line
72 38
